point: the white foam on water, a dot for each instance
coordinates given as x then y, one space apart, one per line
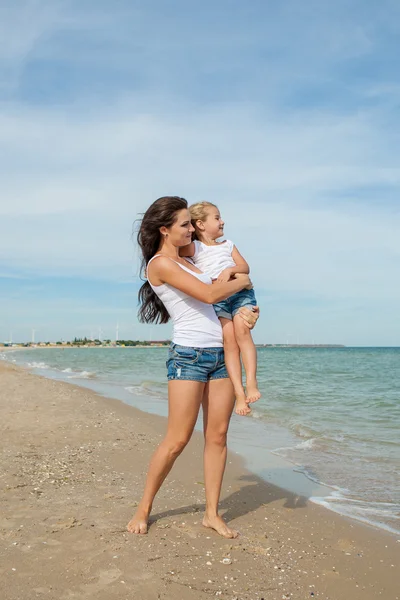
135 389
336 490
144 389
374 513
255 414
304 445
38 365
83 375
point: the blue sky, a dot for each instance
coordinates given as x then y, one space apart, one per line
284 114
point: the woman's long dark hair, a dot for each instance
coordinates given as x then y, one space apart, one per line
162 213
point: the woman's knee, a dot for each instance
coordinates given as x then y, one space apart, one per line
216 437
175 446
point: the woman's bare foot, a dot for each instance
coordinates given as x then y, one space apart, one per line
139 522
217 523
252 392
241 407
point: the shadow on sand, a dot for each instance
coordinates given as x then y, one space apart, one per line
254 492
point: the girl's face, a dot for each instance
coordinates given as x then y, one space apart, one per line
213 225
180 233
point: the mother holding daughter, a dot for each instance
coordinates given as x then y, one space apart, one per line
197 374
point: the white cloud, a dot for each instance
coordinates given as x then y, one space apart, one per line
89 180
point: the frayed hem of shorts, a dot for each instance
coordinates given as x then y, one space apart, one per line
198 380
187 379
225 315
249 306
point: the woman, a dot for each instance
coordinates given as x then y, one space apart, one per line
196 369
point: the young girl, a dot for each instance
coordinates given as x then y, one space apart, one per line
222 260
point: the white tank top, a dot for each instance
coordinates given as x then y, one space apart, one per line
195 323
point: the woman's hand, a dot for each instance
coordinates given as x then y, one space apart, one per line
249 316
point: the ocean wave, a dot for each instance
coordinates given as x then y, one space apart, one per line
38 365
312 476
134 389
304 445
145 389
383 515
304 431
83 375
6 354
255 414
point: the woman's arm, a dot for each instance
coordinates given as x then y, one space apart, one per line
240 267
165 270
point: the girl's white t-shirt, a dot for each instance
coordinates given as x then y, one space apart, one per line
213 259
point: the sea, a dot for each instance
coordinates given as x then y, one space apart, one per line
327 427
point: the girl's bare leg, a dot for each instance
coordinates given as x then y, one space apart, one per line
249 357
218 401
234 366
184 399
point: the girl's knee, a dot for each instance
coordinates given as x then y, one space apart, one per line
241 331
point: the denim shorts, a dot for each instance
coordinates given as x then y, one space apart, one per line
230 307
195 364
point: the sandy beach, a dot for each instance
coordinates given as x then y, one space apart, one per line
73 467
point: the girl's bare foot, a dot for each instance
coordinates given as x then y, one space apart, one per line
241 407
216 522
139 522
252 392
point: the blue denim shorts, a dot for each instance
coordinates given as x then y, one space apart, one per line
195 364
230 307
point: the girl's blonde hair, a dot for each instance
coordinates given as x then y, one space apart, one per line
199 212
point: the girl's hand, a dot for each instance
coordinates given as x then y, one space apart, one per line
249 316
245 279
225 275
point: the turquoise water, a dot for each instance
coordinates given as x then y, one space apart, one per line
332 415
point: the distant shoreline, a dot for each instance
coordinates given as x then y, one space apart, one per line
26 346
301 346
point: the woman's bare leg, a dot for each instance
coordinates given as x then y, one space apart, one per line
218 401
249 357
184 399
234 366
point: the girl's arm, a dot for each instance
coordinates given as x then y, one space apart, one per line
188 250
241 267
165 270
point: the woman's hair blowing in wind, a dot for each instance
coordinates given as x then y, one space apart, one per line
162 213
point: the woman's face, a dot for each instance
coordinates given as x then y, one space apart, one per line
180 233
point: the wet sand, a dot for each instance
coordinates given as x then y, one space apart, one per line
72 469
